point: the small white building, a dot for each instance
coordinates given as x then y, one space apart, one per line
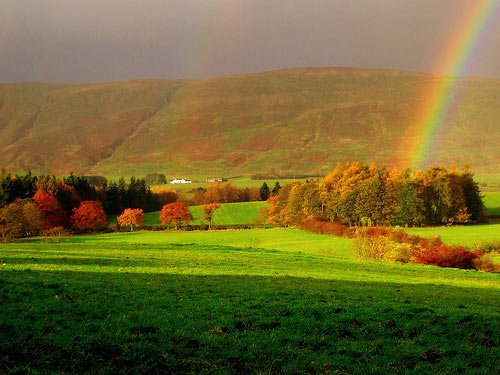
180 181
216 179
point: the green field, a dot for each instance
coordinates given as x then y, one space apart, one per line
240 301
492 202
228 214
468 235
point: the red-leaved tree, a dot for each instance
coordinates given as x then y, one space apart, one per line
131 217
89 215
48 204
174 214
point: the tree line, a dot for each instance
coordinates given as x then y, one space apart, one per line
70 190
357 194
30 205
229 193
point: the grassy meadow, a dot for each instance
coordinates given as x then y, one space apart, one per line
275 300
468 235
491 200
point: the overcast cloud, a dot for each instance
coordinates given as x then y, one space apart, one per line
104 40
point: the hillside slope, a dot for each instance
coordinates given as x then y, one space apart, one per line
291 121
61 128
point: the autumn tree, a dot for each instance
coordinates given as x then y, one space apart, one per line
10 228
229 193
225 193
357 193
220 193
164 195
31 218
281 205
293 212
22 218
337 187
248 194
175 214
272 210
66 195
131 217
49 184
89 215
208 212
50 207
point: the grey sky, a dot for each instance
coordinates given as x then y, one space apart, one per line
104 40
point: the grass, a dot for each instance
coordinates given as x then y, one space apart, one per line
492 202
469 235
256 301
228 214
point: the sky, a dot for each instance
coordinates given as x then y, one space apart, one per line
107 40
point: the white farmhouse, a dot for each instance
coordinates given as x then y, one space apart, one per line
180 181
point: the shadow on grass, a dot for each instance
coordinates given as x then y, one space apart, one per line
108 322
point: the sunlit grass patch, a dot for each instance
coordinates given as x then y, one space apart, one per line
237 301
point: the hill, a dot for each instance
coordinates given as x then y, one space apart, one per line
53 128
290 121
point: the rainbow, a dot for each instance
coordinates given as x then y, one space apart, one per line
440 95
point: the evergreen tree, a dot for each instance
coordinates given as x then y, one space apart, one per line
276 188
264 192
113 203
472 195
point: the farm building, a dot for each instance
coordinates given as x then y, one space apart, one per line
216 179
180 181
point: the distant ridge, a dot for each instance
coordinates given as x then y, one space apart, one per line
300 121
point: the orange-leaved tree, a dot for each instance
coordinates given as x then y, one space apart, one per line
272 211
208 212
89 215
164 195
54 215
174 214
131 217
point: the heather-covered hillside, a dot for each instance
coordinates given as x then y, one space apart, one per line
291 121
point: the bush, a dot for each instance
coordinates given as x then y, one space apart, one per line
487 247
9 231
399 252
316 225
55 233
112 227
485 263
377 231
370 247
446 256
